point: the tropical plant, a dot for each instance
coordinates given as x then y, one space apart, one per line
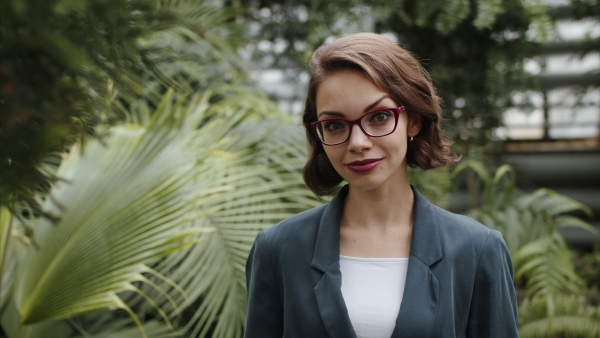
543 263
588 265
565 316
156 220
205 174
434 184
56 57
473 49
521 218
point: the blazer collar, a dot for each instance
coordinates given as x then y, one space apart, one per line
326 258
425 242
327 245
421 292
418 310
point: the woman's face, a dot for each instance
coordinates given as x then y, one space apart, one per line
365 162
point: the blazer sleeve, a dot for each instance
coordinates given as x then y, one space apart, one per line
264 317
493 311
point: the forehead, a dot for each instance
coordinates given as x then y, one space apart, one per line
348 91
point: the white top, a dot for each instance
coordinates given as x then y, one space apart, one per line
373 289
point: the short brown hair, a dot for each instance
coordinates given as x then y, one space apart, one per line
395 71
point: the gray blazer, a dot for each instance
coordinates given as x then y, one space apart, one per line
459 281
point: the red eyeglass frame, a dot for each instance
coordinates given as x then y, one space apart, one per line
351 123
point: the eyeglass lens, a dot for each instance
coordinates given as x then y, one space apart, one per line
377 123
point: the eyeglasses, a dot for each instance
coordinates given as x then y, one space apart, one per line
376 123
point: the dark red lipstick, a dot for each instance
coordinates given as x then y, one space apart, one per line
363 166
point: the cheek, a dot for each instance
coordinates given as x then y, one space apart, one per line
335 157
397 145
330 152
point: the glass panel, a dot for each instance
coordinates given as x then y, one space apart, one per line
379 123
333 131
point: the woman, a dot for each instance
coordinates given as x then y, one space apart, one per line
379 260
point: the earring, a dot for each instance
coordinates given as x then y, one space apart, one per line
411 138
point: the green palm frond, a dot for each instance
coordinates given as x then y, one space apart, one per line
498 188
256 187
10 322
192 45
524 218
546 211
121 204
248 178
570 316
121 328
65 53
550 203
254 103
532 216
546 266
191 188
487 181
529 224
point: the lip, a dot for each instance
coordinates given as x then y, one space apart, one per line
364 166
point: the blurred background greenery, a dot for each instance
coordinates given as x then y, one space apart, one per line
144 143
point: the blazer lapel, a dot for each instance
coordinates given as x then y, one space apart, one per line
326 258
419 302
418 310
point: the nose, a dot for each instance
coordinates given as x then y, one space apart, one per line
358 141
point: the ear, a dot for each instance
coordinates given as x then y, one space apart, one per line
415 123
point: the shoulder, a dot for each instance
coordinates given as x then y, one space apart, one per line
459 226
453 229
462 234
294 230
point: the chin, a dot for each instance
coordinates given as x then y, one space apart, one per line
365 185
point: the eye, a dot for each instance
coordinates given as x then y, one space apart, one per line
334 125
380 116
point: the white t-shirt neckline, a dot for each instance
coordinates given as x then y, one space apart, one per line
373 289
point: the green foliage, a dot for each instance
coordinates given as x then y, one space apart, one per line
546 266
521 219
433 184
555 300
147 228
559 316
473 49
158 220
588 266
113 193
475 58
57 57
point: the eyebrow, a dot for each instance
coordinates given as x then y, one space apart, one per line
374 104
367 109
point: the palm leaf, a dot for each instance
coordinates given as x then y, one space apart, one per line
546 266
551 203
121 328
10 322
254 183
256 186
126 203
571 317
485 177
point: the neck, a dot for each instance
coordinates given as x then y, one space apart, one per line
384 208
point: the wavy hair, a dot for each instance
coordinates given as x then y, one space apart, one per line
395 71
